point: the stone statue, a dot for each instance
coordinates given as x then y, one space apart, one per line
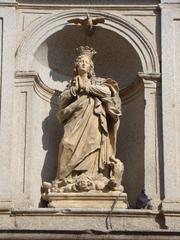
89 109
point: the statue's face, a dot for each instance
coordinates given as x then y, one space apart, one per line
83 65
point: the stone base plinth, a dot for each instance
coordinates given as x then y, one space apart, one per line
79 219
87 200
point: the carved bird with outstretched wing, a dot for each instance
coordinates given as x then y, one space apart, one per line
88 23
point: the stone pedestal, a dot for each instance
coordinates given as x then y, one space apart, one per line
87 200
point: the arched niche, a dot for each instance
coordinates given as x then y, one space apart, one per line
43 28
48 48
116 58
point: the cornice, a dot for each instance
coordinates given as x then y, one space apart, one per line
124 7
56 6
8 4
150 76
33 79
24 78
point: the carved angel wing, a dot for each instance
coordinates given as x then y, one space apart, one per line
98 20
76 21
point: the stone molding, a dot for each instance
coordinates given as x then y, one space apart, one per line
5 204
150 80
80 211
45 92
44 6
8 3
47 221
89 218
149 76
43 28
142 7
171 205
87 235
33 78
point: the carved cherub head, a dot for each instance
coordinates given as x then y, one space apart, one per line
84 183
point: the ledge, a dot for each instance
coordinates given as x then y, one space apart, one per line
33 79
114 4
87 235
74 211
8 3
149 76
5 205
30 78
58 220
71 219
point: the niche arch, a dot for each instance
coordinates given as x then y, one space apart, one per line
48 26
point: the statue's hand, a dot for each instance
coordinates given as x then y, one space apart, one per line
84 85
81 83
75 84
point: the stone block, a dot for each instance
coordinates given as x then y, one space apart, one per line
87 200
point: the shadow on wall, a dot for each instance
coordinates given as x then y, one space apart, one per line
130 146
52 134
115 57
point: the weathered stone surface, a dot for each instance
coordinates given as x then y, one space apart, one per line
170 102
85 218
7 51
87 200
88 235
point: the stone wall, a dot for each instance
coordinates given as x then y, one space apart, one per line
37 48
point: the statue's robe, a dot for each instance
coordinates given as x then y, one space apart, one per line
90 123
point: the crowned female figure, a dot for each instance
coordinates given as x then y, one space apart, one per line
89 109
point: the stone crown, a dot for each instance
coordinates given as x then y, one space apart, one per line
86 50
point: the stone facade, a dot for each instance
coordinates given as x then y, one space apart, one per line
138 43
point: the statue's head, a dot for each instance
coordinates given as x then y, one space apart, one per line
83 62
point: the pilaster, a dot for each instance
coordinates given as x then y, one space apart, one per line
171 102
152 133
7 64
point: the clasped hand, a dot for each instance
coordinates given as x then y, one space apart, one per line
80 84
